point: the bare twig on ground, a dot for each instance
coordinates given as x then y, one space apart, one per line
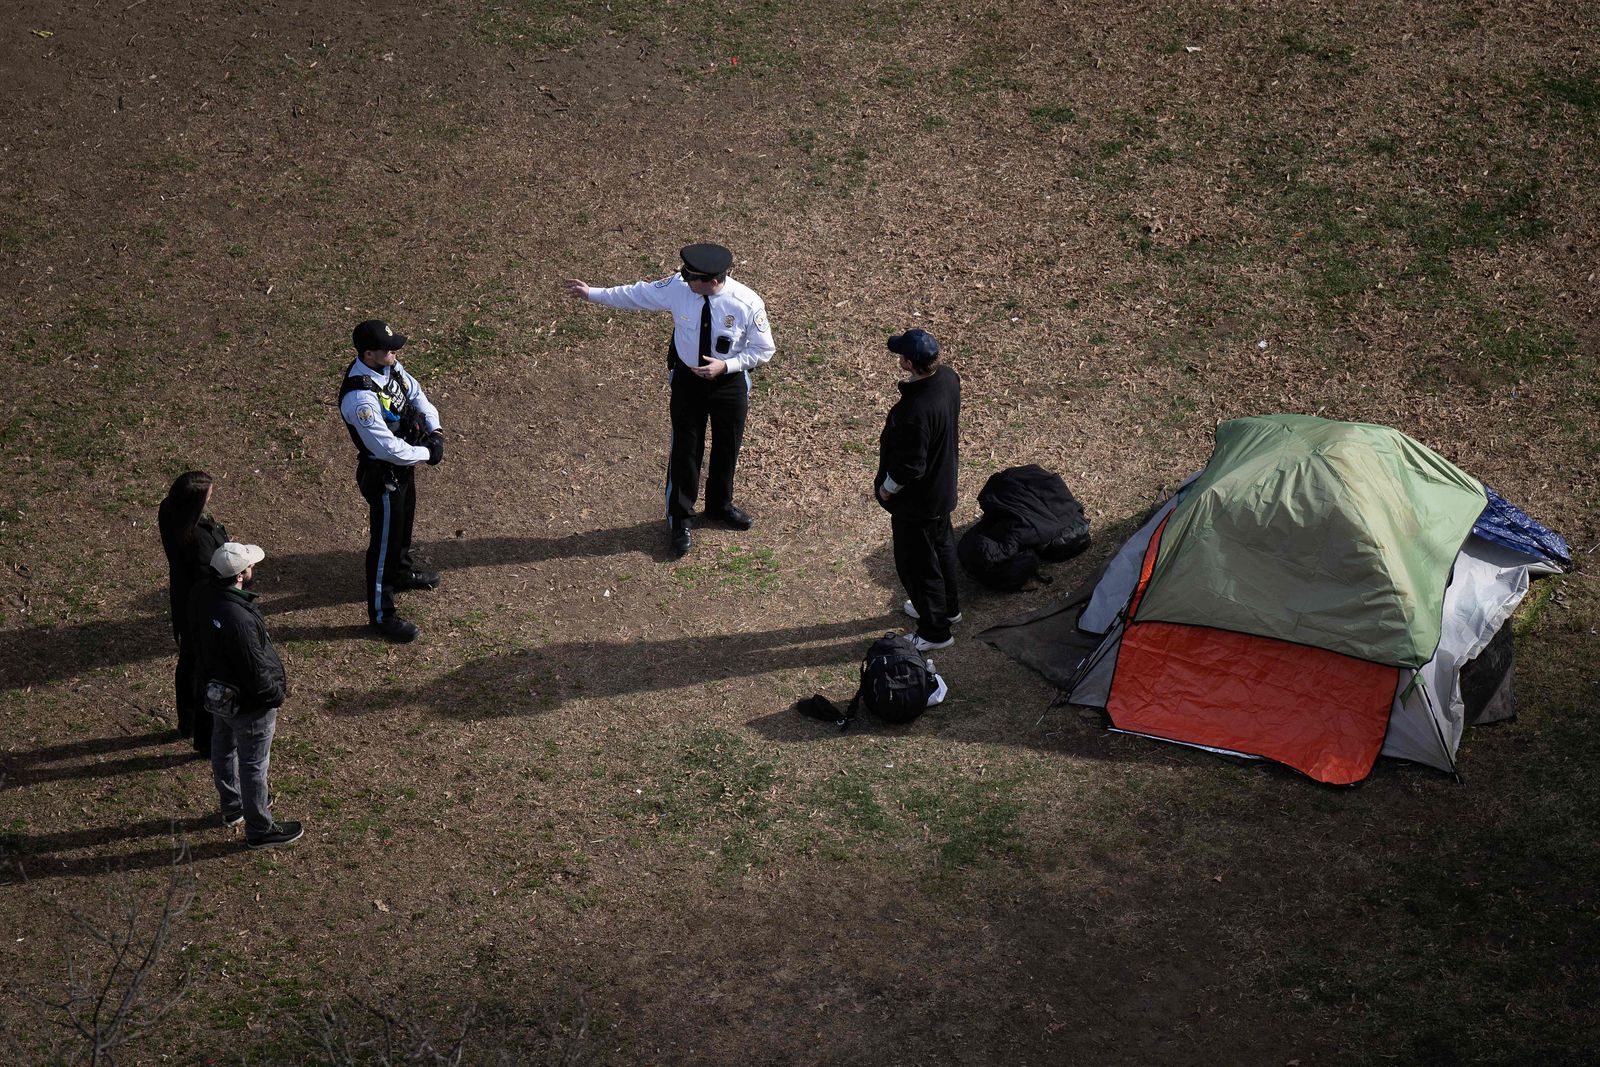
106 1001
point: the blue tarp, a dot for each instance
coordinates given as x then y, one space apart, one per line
1506 524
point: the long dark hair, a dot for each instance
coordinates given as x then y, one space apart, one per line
185 503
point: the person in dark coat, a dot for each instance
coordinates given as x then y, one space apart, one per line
916 482
245 683
189 535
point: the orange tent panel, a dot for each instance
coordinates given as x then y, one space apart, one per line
1320 712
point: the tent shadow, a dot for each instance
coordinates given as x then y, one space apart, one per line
527 682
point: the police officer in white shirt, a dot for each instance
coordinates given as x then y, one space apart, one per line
394 428
720 331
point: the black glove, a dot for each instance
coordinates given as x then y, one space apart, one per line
434 443
412 428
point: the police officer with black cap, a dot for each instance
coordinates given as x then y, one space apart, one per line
394 428
720 332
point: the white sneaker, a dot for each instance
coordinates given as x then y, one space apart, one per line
922 644
911 612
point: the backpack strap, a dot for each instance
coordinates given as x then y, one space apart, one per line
850 711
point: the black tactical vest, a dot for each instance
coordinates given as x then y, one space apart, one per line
392 403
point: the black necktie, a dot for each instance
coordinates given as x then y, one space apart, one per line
705 331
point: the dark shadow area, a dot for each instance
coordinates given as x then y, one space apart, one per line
19 847
350 632
531 682
1064 728
96 746
18 871
320 579
43 654
48 764
107 769
288 583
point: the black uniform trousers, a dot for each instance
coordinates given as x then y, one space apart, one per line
391 494
925 560
723 402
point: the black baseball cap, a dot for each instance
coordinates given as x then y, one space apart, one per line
708 259
916 345
375 335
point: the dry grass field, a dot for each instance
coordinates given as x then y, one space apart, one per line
577 821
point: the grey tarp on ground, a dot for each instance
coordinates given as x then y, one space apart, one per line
1048 640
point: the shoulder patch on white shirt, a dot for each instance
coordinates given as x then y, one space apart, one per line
664 282
761 321
366 413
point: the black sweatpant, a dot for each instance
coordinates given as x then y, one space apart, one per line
391 494
925 560
724 402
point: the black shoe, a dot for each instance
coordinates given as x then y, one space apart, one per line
680 538
396 629
415 580
281 834
734 516
232 817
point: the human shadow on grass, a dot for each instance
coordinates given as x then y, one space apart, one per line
289 583
51 762
30 867
107 769
299 582
535 681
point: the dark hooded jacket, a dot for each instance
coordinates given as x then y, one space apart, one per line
234 648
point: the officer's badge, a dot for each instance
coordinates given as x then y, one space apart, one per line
727 320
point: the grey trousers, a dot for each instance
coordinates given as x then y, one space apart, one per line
241 748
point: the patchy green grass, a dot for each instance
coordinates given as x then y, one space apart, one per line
733 568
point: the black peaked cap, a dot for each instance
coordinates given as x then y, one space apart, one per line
706 258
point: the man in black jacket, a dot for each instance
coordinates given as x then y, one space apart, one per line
916 483
244 686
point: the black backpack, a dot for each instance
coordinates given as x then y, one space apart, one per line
895 680
895 686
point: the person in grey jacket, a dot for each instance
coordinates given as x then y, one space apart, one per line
244 686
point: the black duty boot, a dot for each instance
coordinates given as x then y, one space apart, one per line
415 580
680 538
732 515
396 629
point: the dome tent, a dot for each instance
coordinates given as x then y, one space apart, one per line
1312 597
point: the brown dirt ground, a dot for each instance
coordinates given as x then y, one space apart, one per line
584 782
